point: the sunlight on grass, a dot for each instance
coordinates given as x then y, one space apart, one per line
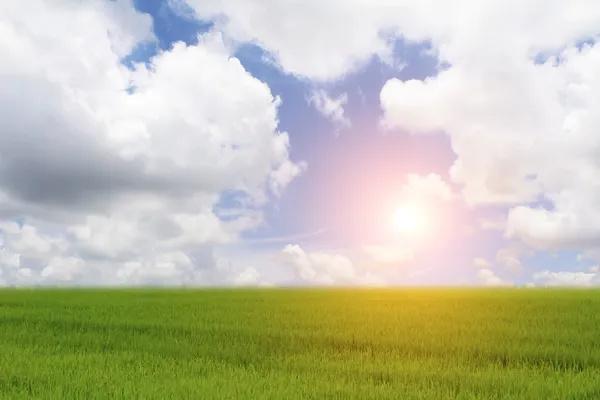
297 344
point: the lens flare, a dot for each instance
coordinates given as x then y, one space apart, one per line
409 220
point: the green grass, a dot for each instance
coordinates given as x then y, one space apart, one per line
300 344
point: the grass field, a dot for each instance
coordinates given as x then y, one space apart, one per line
300 344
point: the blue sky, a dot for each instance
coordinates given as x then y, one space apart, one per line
455 122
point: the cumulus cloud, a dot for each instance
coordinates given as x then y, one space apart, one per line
514 104
247 277
566 278
321 268
509 259
481 262
489 278
429 187
331 108
315 39
116 172
29 257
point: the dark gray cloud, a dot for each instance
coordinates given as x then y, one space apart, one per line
58 158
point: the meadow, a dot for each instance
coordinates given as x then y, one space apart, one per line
300 344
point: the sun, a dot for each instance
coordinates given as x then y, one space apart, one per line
408 219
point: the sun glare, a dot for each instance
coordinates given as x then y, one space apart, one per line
408 219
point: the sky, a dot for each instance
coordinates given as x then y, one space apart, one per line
273 143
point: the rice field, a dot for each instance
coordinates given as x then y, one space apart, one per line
300 344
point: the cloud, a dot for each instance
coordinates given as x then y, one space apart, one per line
331 108
565 278
426 188
489 278
115 173
29 257
570 226
248 277
319 40
363 29
481 262
320 268
521 110
508 257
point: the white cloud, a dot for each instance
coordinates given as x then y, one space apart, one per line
63 269
430 187
594 268
326 40
331 108
493 156
481 262
315 39
248 277
520 126
509 258
116 172
102 173
320 268
564 278
489 278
